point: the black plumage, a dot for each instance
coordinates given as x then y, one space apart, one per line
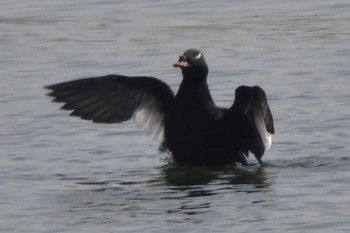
192 127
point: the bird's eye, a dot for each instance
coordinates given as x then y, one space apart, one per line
198 55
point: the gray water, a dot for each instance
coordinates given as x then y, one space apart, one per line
63 174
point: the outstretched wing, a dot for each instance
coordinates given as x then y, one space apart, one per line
252 120
116 98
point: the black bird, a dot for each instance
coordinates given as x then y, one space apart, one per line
192 127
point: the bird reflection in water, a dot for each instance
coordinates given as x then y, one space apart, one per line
196 180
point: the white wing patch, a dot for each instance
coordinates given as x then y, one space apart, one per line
264 134
149 118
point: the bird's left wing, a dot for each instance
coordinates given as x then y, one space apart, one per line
251 120
116 98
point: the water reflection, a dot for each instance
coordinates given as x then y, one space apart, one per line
197 186
194 181
207 182
181 194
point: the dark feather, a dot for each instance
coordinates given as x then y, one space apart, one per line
252 122
116 98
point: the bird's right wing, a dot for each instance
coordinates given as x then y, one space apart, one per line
116 98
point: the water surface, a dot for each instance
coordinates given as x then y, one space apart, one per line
62 174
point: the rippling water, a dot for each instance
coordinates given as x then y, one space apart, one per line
62 174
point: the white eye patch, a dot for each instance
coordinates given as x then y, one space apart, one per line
198 56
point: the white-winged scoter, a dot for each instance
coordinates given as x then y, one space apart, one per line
192 127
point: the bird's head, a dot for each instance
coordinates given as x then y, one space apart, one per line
192 64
